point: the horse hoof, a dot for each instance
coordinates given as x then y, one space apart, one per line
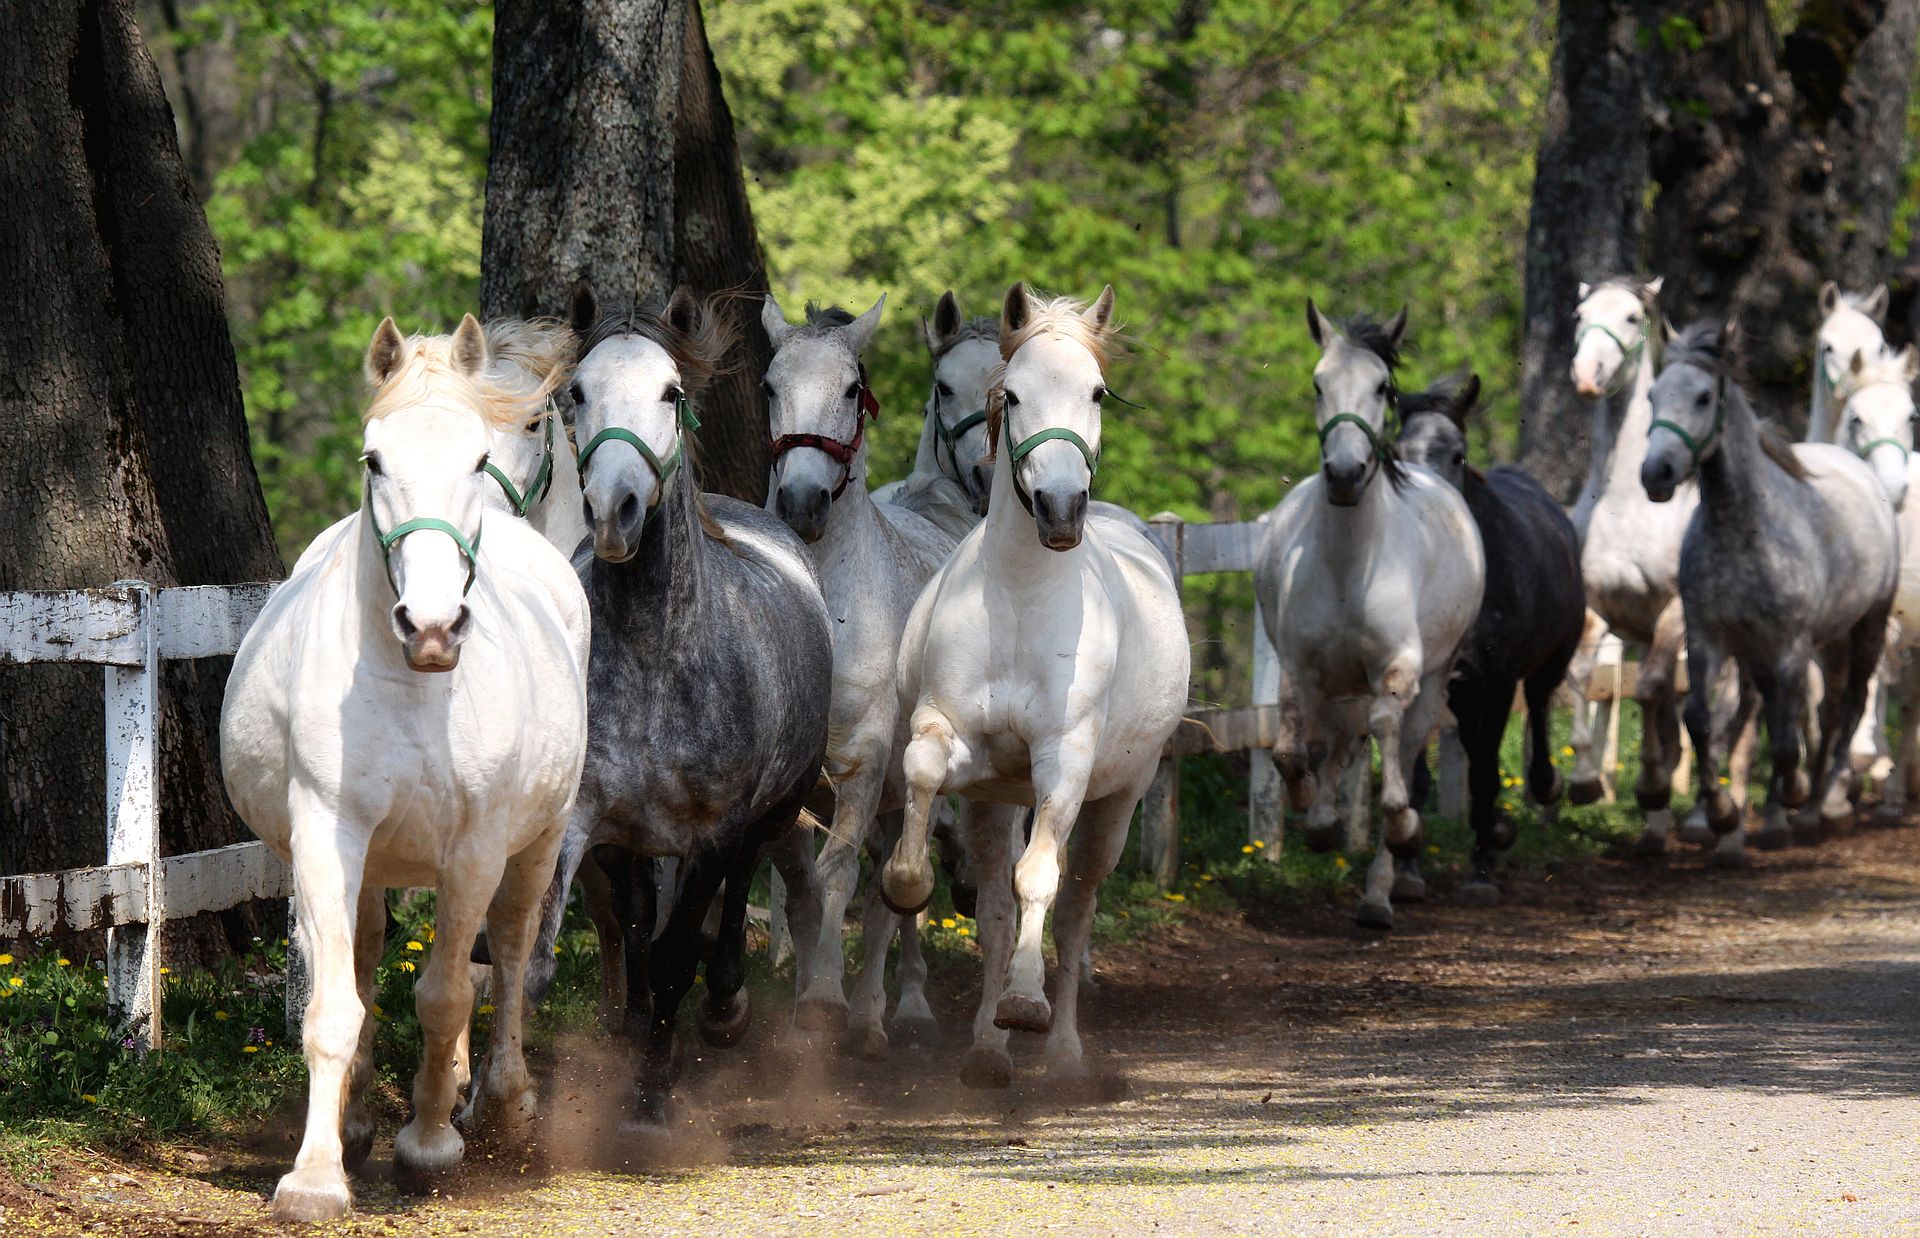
420 1157
1646 847
1374 915
916 1032
819 1014
1503 834
986 1068
1723 816
1796 789
1654 800
1018 1012
1773 837
308 1195
1695 832
356 1141
869 1043
1480 892
1556 787
723 1028
1583 791
1321 839
1405 837
1410 887
906 893
1729 858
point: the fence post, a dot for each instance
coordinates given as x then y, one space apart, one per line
133 822
1160 810
1266 797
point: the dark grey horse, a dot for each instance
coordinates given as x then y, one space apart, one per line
1530 620
1792 554
708 684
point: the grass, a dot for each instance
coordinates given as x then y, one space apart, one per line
229 1062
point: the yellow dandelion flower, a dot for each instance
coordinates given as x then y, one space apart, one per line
1432 850
221 1015
90 1098
269 1044
1567 751
1259 842
69 963
16 982
1171 897
1206 876
377 1012
5 959
1725 781
429 932
486 1009
947 922
1247 850
556 952
249 1048
414 947
406 965
964 931
1340 862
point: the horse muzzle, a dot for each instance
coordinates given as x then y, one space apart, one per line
431 645
1061 518
804 509
616 534
1659 478
1345 482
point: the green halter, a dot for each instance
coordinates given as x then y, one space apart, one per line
542 477
1625 376
391 538
950 438
1022 448
1699 449
1867 449
661 469
1339 419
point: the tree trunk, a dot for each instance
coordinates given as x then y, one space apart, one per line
1750 218
1868 138
126 445
1585 223
614 162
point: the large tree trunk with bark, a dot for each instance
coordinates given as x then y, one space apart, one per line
614 163
1761 148
1585 224
125 441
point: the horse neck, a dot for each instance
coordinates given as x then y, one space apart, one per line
1732 493
664 585
926 456
850 518
1012 546
1350 531
557 517
1620 424
1820 410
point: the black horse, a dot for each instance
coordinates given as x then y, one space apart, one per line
1530 620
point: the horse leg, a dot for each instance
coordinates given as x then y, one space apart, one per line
1586 785
1660 729
553 905
1867 753
1734 709
1417 725
1293 741
990 832
1904 783
328 864
1329 759
1058 788
1783 689
1099 838
504 1096
1394 689
428 1144
1854 674
722 1018
596 898
913 1020
671 963
1481 711
821 1003
906 880
369 943
866 1029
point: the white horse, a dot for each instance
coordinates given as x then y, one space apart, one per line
1046 671
949 481
873 560
1849 326
1369 576
365 771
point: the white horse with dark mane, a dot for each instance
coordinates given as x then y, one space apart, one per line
949 481
1042 670
1369 577
351 758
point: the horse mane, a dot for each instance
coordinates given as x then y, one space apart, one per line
1706 345
1439 394
428 366
1062 316
543 348
828 316
702 355
981 328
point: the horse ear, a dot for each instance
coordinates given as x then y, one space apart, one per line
1464 400
469 346
1668 333
683 311
775 322
1876 306
1397 327
1829 297
862 328
1317 324
1100 313
386 353
1013 310
946 320
1856 363
1910 362
1586 290
583 313
1655 284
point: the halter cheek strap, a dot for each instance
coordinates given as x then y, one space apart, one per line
842 454
950 437
542 477
662 469
1700 448
421 524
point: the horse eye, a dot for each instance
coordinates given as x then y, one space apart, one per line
672 395
1633 320
482 466
1099 394
853 390
945 392
1012 400
578 396
1700 401
767 387
532 426
372 461
1381 391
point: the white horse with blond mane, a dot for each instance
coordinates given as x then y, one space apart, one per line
1042 670
351 758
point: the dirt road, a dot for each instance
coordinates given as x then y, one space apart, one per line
1622 1048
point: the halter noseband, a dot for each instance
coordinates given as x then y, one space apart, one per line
1625 375
390 538
1020 449
542 478
662 469
1712 436
841 453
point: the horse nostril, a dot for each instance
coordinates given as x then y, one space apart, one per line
460 620
629 508
403 621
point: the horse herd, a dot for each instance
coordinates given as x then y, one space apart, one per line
507 672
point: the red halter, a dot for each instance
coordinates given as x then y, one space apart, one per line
842 453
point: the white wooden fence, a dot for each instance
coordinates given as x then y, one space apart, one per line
130 629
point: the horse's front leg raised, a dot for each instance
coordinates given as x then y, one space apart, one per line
504 1096
428 1144
991 829
329 861
1058 787
821 1004
1660 727
906 880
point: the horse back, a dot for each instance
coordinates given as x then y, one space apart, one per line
1534 606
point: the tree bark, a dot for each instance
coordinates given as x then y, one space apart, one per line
1585 222
1751 217
125 441
614 162
1868 138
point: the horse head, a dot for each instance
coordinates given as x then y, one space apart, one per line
965 353
1354 399
818 406
1045 407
